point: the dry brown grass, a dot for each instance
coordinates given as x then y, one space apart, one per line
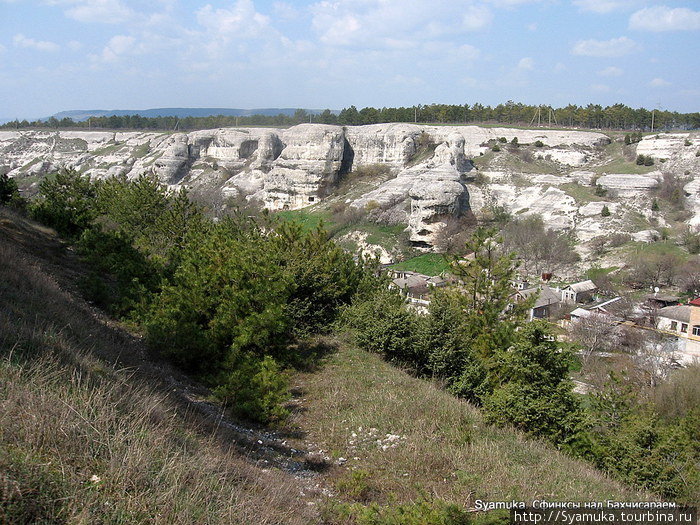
445 450
67 414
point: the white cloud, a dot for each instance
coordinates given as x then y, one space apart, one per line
38 45
74 45
615 47
285 11
532 27
559 67
117 46
663 18
374 23
600 88
526 64
103 11
611 71
659 82
476 17
602 6
240 21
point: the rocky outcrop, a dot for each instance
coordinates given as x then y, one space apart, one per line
307 169
431 179
430 192
625 185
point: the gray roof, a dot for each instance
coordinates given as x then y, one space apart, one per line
663 298
414 283
679 312
545 296
583 286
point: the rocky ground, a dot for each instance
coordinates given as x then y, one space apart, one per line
434 173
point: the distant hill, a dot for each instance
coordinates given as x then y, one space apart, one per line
83 114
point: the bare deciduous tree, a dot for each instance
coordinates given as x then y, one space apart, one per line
539 249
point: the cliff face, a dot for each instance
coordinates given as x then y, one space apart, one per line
432 177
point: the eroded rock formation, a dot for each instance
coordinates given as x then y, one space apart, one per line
431 176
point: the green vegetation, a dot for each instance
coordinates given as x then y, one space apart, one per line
623 162
110 147
236 302
427 264
31 163
9 193
89 433
308 218
440 438
644 160
510 114
222 300
581 194
476 343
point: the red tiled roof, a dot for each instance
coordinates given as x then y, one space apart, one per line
695 302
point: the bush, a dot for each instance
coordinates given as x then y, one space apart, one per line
8 189
546 412
382 324
66 203
228 295
496 147
645 160
255 389
533 392
539 144
671 190
502 140
121 277
605 212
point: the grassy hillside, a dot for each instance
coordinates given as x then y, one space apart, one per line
85 440
427 264
94 429
404 438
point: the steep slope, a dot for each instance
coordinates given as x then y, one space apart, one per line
93 431
410 438
93 428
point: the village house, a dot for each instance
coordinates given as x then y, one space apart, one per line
674 319
682 320
694 333
416 286
581 292
546 302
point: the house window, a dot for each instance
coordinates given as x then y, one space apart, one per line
696 330
311 199
684 328
674 325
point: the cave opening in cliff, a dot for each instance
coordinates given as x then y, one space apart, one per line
247 148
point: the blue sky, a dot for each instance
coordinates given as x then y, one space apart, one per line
59 55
